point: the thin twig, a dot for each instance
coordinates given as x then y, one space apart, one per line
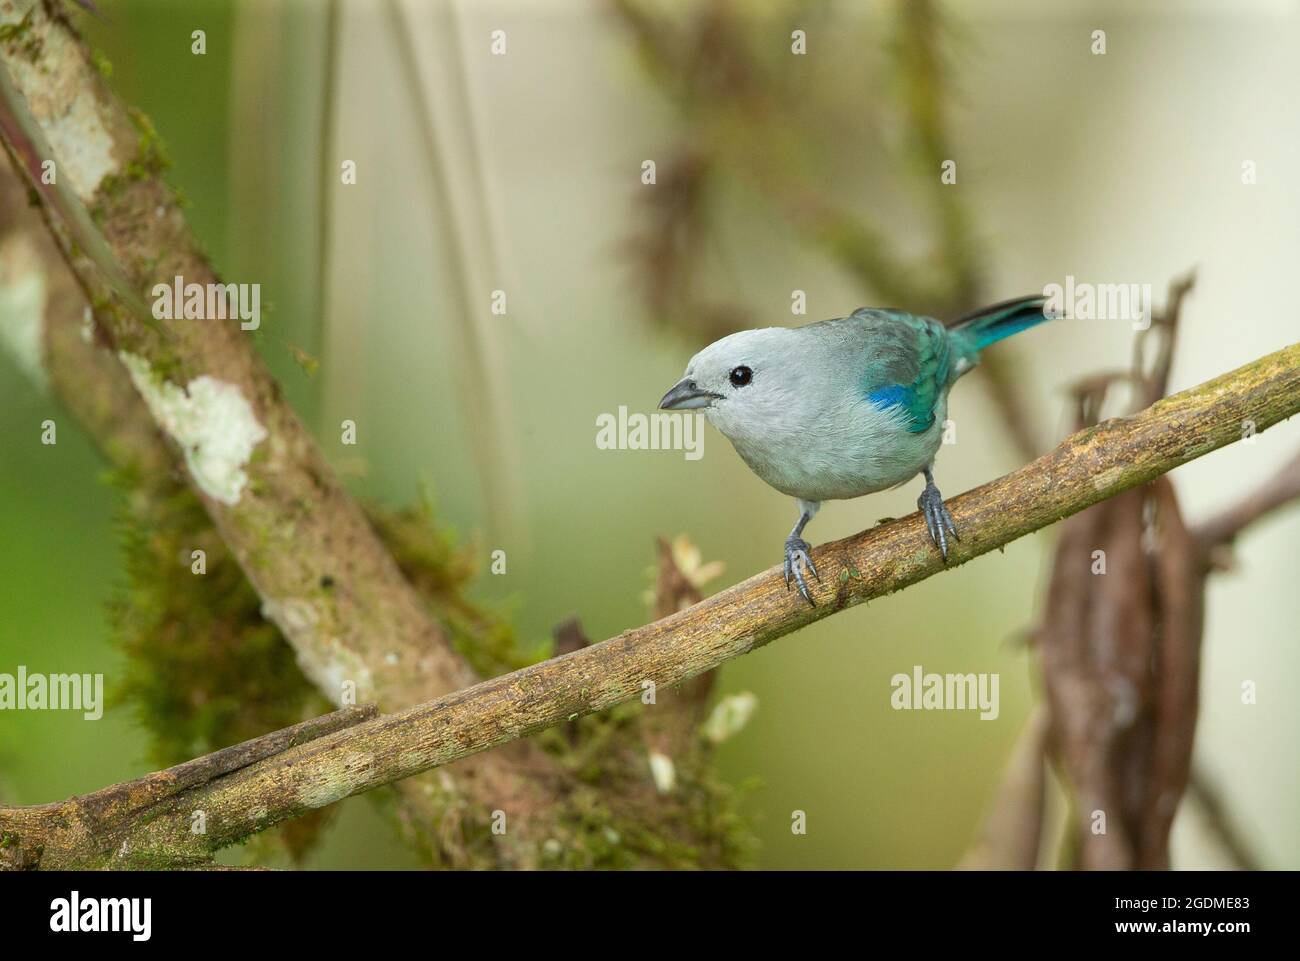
1222 529
1202 789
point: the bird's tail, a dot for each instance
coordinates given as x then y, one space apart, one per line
976 331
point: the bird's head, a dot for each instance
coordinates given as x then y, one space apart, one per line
744 383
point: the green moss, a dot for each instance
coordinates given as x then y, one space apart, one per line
616 819
16 34
151 157
13 32
204 668
102 64
441 571
698 827
150 161
110 187
463 836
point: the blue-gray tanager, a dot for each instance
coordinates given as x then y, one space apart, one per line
843 407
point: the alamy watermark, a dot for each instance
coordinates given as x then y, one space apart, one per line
181 301
919 691
73 914
53 692
1084 301
662 430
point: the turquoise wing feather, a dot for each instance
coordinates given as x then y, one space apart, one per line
908 363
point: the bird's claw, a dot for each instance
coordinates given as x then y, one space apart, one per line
798 555
937 518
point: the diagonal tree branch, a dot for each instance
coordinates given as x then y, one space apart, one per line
357 621
101 822
1092 465
121 228
359 630
59 334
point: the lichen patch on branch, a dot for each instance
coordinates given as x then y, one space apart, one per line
22 309
211 421
335 669
70 112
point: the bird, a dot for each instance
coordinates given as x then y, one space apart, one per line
846 407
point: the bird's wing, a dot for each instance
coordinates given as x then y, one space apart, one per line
908 363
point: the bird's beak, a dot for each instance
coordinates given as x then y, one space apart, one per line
686 396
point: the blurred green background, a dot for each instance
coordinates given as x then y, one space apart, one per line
1116 168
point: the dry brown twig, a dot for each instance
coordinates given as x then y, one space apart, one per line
1121 653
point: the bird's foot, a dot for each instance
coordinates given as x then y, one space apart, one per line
937 518
797 557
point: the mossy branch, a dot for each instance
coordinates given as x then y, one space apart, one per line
1090 466
324 577
331 586
326 580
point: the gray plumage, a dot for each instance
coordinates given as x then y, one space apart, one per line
844 407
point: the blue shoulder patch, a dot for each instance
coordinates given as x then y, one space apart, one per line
907 365
912 402
891 395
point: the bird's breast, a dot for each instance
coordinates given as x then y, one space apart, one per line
835 458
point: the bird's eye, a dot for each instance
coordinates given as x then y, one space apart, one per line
740 376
